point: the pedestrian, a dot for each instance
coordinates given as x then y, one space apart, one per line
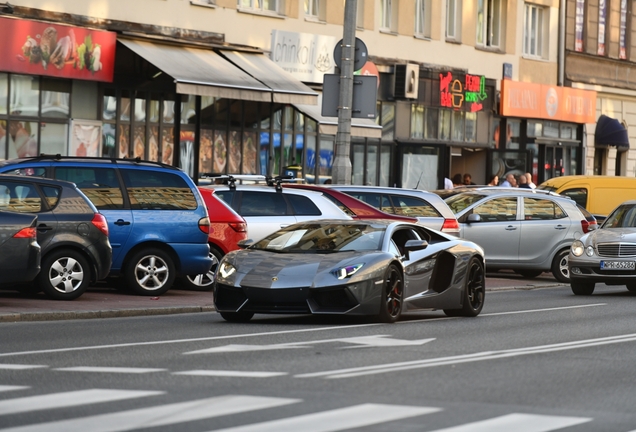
457 180
523 182
530 182
494 180
468 179
448 183
510 181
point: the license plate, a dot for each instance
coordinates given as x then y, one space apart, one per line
618 265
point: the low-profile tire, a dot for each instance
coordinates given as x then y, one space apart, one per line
64 274
560 266
474 291
582 288
151 272
631 287
237 316
203 282
392 295
529 274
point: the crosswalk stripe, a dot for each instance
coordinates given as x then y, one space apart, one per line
519 423
20 366
160 415
229 373
69 399
337 420
4 388
109 369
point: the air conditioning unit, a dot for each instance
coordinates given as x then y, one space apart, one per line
407 77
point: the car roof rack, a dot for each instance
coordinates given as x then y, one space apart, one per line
231 179
58 157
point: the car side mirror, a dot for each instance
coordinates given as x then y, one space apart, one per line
414 245
473 218
243 244
592 227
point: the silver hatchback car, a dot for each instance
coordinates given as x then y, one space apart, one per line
520 229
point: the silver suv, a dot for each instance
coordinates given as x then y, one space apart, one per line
521 229
430 210
267 209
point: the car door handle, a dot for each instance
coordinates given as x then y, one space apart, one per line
560 227
44 227
121 222
511 228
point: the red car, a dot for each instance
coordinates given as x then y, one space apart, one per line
350 205
227 228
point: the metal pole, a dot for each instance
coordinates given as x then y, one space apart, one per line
341 170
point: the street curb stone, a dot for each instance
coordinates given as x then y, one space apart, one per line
118 313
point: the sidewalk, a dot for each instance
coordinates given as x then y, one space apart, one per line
104 302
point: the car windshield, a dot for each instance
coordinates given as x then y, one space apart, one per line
459 202
624 216
323 238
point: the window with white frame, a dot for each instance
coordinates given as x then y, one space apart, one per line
423 18
260 5
388 15
314 9
534 30
623 30
602 24
489 23
203 2
453 19
360 15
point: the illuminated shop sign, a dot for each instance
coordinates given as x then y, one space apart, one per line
462 92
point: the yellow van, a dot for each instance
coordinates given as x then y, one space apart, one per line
598 194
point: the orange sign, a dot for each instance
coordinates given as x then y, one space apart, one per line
529 100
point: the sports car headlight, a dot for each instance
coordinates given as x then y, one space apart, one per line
347 271
589 251
577 248
226 270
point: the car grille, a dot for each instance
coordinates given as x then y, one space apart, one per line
616 250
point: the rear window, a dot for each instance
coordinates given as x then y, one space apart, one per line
100 185
262 204
19 197
303 206
157 190
414 207
541 209
577 194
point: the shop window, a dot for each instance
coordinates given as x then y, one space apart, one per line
387 120
470 134
599 161
168 111
457 126
513 134
453 20
431 125
535 31
372 165
56 97
417 121
551 129
419 167
4 93
153 111
535 128
568 131
124 113
312 126
108 140
188 109
53 138
357 164
489 25
22 139
423 18
310 160
445 124
385 165
326 158
250 153
25 95
123 141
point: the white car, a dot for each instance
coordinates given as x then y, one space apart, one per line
267 209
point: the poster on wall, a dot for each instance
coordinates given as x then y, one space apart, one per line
220 152
234 162
186 145
249 152
205 152
40 48
86 138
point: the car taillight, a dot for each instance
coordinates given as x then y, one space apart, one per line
450 225
204 224
585 224
238 226
99 220
26 233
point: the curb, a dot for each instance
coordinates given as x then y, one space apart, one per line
527 287
113 313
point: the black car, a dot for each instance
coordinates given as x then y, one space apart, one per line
19 248
73 235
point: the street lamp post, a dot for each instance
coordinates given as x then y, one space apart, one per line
341 169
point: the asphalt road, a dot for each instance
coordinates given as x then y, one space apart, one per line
534 360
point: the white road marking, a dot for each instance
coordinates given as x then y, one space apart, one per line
337 420
100 369
4 388
160 415
20 366
229 373
361 341
519 423
543 310
69 399
466 358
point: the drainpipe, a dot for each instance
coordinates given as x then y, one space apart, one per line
561 48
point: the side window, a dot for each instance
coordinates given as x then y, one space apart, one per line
157 190
52 195
227 196
19 197
415 207
369 198
100 185
340 205
303 206
400 238
37 172
262 204
497 210
579 195
541 209
385 204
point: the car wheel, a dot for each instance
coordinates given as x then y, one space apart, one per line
64 274
631 287
474 291
560 266
237 316
392 295
581 288
529 274
150 272
203 282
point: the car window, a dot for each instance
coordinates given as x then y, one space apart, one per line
152 190
400 238
577 194
227 196
100 185
411 206
19 197
623 216
497 209
52 195
262 204
461 201
340 205
36 172
541 209
303 206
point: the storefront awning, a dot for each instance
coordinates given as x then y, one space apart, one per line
610 132
360 127
203 72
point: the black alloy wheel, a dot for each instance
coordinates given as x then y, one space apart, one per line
392 295
474 291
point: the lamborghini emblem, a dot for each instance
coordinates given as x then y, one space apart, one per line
274 279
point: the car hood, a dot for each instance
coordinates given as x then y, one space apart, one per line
262 269
612 235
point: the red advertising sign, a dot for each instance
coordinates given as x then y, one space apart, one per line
39 48
468 94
